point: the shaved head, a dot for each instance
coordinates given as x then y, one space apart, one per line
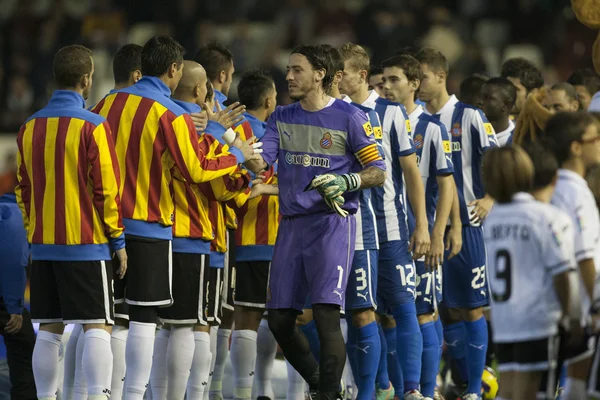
192 86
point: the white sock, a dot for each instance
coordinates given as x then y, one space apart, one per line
70 356
138 359
97 362
243 359
216 384
45 364
296 384
159 381
180 355
118 343
574 389
199 374
266 349
213 351
80 381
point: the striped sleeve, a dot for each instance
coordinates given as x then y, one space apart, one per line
401 131
104 175
483 129
23 189
361 141
441 150
190 157
232 186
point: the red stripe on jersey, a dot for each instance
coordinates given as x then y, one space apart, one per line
38 146
114 114
262 221
60 227
86 208
99 106
156 177
193 212
240 213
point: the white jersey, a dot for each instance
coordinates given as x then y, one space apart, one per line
573 196
505 137
528 243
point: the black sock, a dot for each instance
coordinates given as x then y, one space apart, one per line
333 348
490 355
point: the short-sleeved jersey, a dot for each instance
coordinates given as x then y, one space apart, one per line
528 243
389 201
337 139
434 157
470 133
574 197
505 137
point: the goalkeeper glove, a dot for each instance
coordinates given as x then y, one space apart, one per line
332 186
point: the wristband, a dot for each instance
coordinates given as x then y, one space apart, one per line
353 181
229 136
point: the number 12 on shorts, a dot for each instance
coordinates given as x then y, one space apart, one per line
407 277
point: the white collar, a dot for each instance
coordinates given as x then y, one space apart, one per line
507 131
523 196
572 176
413 116
446 107
370 101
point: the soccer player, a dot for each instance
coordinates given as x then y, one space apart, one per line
470 90
258 221
68 193
576 144
464 285
326 144
402 76
499 96
153 135
525 76
376 79
396 273
562 97
587 83
523 230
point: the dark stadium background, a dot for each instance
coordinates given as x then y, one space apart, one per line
475 35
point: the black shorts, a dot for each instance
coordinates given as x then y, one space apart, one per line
196 291
229 271
121 308
149 273
252 279
72 292
594 378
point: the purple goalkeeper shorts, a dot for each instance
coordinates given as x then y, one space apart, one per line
312 256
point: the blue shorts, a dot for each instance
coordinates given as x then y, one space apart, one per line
396 275
464 276
361 290
427 289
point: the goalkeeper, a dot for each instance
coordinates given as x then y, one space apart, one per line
321 137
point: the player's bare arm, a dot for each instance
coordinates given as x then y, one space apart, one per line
454 236
588 275
570 305
371 176
419 241
444 205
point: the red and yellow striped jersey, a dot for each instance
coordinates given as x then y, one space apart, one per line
153 135
68 187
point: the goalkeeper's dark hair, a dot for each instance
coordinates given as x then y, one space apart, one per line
336 58
319 57
545 164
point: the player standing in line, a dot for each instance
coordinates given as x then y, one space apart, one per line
470 90
562 97
68 193
531 263
364 338
525 76
587 83
576 144
464 285
258 221
152 135
499 96
375 79
402 76
326 144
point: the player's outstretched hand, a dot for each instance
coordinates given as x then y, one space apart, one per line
436 251
250 148
14 324
419 242
454 241
481 209
122 256
200 120
228 117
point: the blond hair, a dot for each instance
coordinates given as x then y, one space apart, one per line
356 55
507 171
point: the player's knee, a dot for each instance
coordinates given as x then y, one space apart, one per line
327 318
450 315
147 315
56 328
471 314
387 321
425 318
362 317
282 323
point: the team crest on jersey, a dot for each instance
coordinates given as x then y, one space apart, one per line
418 141
368 128
456 131
326 140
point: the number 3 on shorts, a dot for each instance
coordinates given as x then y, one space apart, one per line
479 279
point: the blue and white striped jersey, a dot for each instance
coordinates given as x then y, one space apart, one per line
434 155
470 133
390 201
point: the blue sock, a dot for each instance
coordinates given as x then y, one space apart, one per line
351 350
395 372
439 329
368 352
383 378
430 359
310 330
477 338
456 343
409 344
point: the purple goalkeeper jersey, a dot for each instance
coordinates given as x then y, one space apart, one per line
337 139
